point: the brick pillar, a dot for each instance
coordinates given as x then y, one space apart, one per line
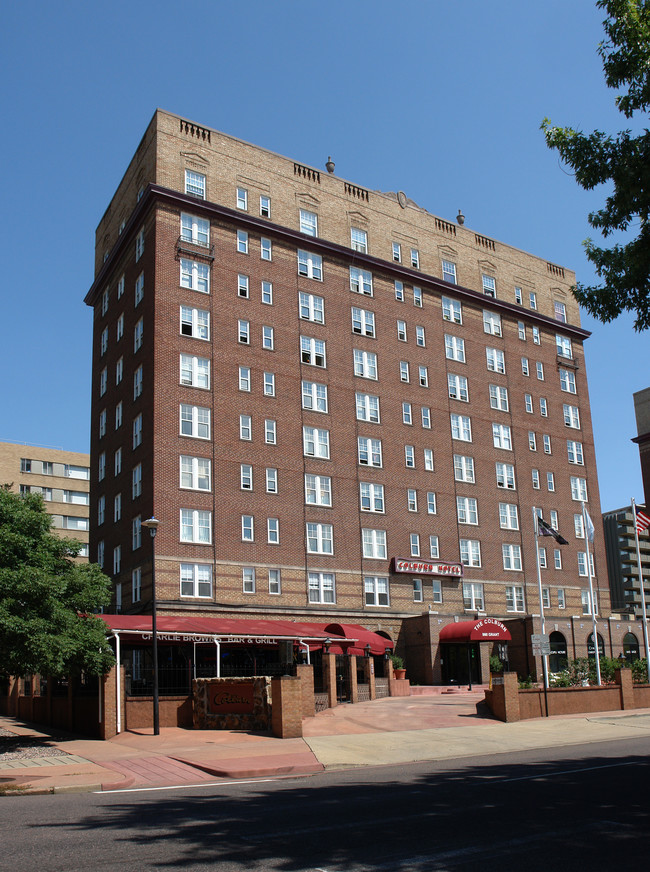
329 678
511 697
391 674
305 672
369 675
286 714
354 690
623 677
108 726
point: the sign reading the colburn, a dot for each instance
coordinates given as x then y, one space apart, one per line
427 567
235 698
490 628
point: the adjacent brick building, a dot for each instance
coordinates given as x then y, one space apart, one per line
339 406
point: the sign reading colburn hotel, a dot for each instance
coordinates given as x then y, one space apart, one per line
427 567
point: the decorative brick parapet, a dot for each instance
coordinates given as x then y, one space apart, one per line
305 672
232 703
286 720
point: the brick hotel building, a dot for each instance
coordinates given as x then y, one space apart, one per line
340 407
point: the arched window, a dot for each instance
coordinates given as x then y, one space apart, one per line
590 646
630 647
557 660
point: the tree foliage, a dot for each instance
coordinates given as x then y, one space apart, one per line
46 599
623 163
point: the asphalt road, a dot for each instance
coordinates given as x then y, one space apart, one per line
576 808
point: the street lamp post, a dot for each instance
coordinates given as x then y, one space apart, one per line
152 526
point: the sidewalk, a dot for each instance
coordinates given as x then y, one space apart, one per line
394 730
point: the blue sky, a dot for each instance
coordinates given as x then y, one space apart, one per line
441 100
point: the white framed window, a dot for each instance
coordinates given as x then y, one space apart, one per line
415 258
557 558
117 559
399 291
417 297
401 331
245 428
489 285
275 582
246 476
496 361
103 382
139 244
320 539
196 580
521 330
428 459
454 348
371 497
505 475
578 488
117 461
101 510
360 281
434 547
418 594
242 199
514 598
425 413
412 499
265 206
499 398
248 579
136 584
105 297
449 272
554 519
119 330
195 184
508 516
550 481
267 293
511 557
270 432
420 337
547 443
308 222
311 307
268 338
535 477
137 430
574 451
273 531
103 342
470 552
452 310
537 339
119 370
102 423
365 364
404 371
321 587
369 451
318 490
374 543
121 284
501 436
567 381
194 322
414 544
310 265
363 322
243 332
271 480
561 598
467 510
269 384
518 295
137 382
571 416
359 240
247 528
367 407
117 507
195 473
407 414
524 366
195 421
473 598
195 229
101 466
195 276
397 252
532 440
532 300
242 242
539 368
266 249
243 286
316 442
312 351
432 508
136 481
409 456
314 396
528 403
464 468
492 323
195 371
563 346
457 387
196 526
100 554
245 378
461 428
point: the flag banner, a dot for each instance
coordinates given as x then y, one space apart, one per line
544 529
590 526
642 521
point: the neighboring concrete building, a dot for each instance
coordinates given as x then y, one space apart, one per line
340 407
622 564
642 412
61 477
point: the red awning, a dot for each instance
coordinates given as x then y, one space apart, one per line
362 637
483 630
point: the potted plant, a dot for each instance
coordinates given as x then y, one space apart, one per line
398 666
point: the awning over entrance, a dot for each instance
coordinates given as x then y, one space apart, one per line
482 630
362 637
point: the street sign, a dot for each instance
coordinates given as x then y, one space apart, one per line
541 644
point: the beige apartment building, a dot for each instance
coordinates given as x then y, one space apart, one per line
339 406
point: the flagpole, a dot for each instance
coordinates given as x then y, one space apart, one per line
541 605
591 594
645 617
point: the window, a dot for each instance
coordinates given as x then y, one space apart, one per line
431 503
100 554
508 516
374 543
563 345
195 421
243 286
399 292
367 408
267 338
119 331
101 510
473 598
196 526
269 384
244 378
248 579
195 473
271 480
270 432
275 585
119 370
267 293
492 323
417 297
319 539
418 595
409 456
470 552
117 559
194 322
242 198
242 242
397 252
196 230
321 587
102 423
312 351
195 184
505 475
535 477
560 311
245 430
376 590
514 598
139 288
136 481
314 396
404 371
308 222
195 371
457 387
528 403
464 468
273 531
195 276
571 416
511 557
461 428
316 442
102 466
363 322
103 343
265 206
574 451
369 451
547 443
425 413
524 366
196 580
136 584
318 490
434 549
557 558
117 461
542 558
521 330
518 296
415 258
495 360
539 367
532 299
365 364
105 302
543 407
266 249
561 598
501 437
311 308
449 272
454 348
578 488
585 597
360 281
498 398
550 481
554 519
567 381
246 476
420 337
414 542
103 382
117 507
428 459
120 287
412 499
243 332
536 336
401 331
489 286
407 413
466 510
359 240
247 528
310 265
371 497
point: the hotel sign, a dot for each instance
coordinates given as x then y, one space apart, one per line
427 567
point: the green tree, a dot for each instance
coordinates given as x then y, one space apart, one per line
46 599
622 162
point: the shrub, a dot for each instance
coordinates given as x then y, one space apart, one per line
640 671
496 664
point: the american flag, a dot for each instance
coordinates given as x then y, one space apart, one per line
642 521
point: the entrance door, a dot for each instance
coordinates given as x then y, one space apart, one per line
458 660
342 678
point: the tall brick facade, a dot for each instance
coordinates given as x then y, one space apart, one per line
310 381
